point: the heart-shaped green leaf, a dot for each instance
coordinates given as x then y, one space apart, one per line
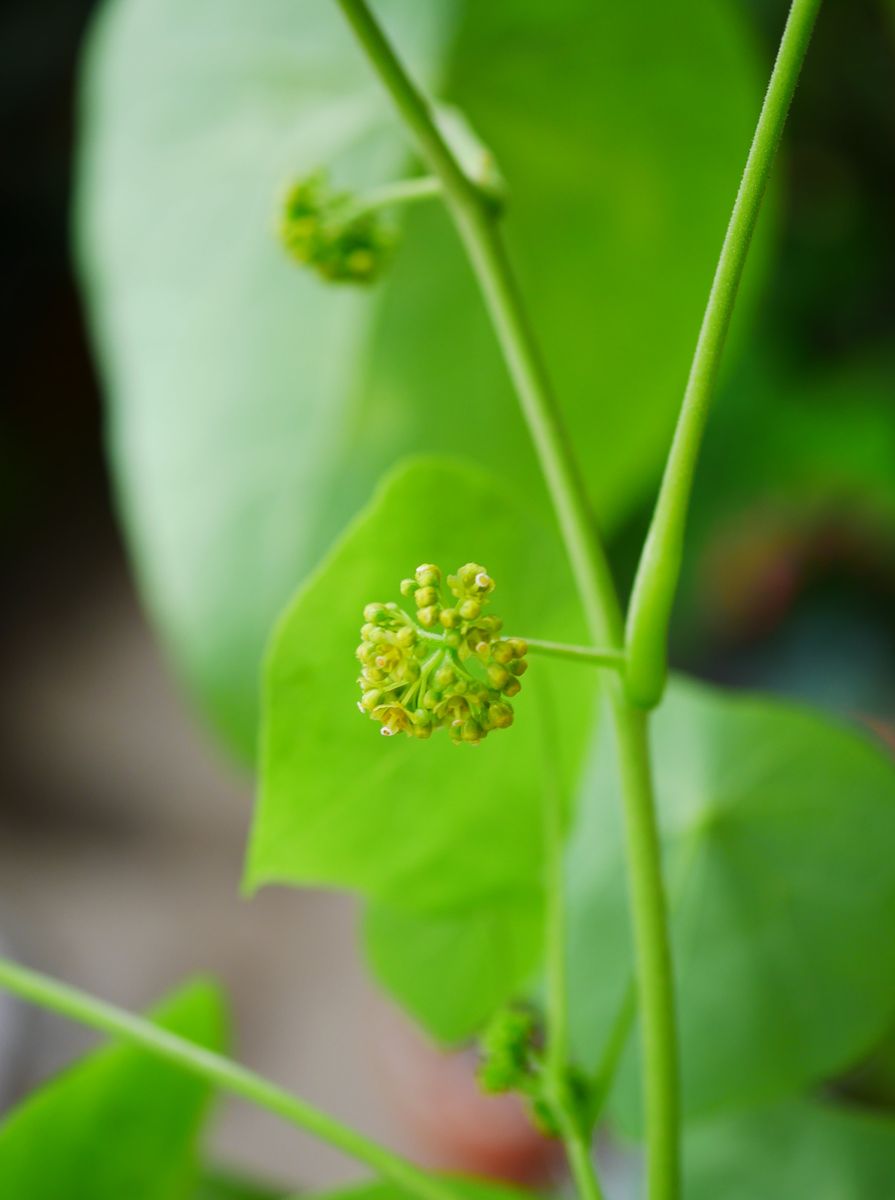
252 407
778 826
122 1123
448 839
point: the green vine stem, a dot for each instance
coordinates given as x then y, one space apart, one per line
400 194
222 1072
583 654
659 569
556 1050
476 222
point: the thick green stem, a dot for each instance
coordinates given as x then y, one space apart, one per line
659 570
222 1072
556 1050
477 224
652 953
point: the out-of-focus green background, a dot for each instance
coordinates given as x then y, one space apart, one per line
123 827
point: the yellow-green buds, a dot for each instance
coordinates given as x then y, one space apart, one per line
322 229
415 679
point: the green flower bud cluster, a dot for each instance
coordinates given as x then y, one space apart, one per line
508 1059
446 667
319 230
512 1060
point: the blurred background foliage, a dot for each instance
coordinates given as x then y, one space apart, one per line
790 563
790 573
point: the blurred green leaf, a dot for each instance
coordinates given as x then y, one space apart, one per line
252 407
778 826
440 835
122 1123
230 371
826 438
799 1149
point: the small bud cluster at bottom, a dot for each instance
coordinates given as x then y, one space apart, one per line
449 668
512 1061
318 230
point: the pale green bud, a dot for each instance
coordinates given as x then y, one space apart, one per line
502 652
425 597
501 715
428 617
498 675
428 575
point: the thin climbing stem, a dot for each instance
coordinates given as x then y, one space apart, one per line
477 223
583 654
659 569
397 195
222 1072
581 1164
556 1050
556 1055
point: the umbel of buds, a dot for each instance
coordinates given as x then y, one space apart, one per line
444 667
512 1060
322 229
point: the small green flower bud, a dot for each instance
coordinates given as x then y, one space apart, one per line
519 646
472 731
428 617
449 617
444 676
428 575
406 636
512 687
498 675
371 699
506 1048
408 587
501 715
374 614
453 640
470 609
502 652
519 666
425 597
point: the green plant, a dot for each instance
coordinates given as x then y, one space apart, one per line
782 817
